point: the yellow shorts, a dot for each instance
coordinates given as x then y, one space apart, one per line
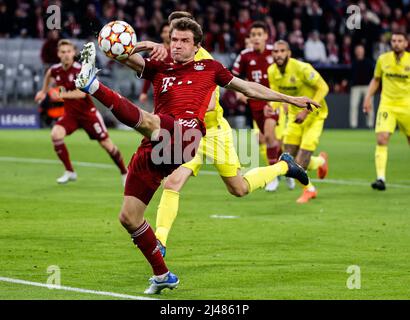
305 135
217 148
389 117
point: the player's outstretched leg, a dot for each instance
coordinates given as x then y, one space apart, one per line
124 110
259 177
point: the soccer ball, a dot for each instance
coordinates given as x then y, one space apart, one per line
117 39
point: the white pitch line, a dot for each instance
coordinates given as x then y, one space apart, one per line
64 288
204 172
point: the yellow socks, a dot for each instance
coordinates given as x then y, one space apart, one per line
262 152
166 214
380 158
315 162
259 177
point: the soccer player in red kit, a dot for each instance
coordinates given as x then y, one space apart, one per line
182 93
79 112
252 64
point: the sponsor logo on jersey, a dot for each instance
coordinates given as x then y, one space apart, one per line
167 82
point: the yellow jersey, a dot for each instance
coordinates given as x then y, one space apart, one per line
299 79
213 118
395 77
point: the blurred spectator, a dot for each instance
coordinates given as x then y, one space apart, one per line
282 31
346 50
271 29
361 74
49 49
90 24
332 48
242 28
5 21
315 51
315 13
72 28
296 41
381 46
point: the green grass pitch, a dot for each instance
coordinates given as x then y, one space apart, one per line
275 249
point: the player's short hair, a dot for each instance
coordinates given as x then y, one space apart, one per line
178 15
399 33
259 25
65 42
285 43
185 24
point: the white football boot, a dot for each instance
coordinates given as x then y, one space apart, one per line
273 185
66 177
86 80
291 183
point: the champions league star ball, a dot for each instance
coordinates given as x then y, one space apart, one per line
117 39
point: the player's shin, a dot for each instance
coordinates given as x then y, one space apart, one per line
62 152
166 214
123 109
116 156
259 177
381 161
144 238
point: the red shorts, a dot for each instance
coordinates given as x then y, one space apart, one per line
154 160
91 122
259 117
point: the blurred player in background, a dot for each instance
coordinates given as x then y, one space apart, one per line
393 71
164 34
182 93
252 64
303 129
79 112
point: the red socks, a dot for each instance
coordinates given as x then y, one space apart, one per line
62 153
273 154
123 109
116 156
144 238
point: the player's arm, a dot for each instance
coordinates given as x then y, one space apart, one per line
373 87
257 91
72 94
40 95
136 62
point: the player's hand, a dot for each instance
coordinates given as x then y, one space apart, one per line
268 111
40 96
143 97
301 116
304 102
367 105
158 52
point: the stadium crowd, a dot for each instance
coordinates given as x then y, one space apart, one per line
316 30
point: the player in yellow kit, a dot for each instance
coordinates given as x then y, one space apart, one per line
218 146
393 70
303 129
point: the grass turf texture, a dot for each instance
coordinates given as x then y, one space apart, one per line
276 249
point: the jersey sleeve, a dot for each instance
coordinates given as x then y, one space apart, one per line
150 69
238 68
310 76
378 69
222 75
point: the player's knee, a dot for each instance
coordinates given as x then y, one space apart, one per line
238 191
382 139
125 219
57 134
173 183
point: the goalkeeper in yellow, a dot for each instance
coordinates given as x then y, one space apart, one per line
218 146
303 129
393 71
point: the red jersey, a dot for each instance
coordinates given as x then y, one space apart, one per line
253 66
185 90
147 83
65 79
